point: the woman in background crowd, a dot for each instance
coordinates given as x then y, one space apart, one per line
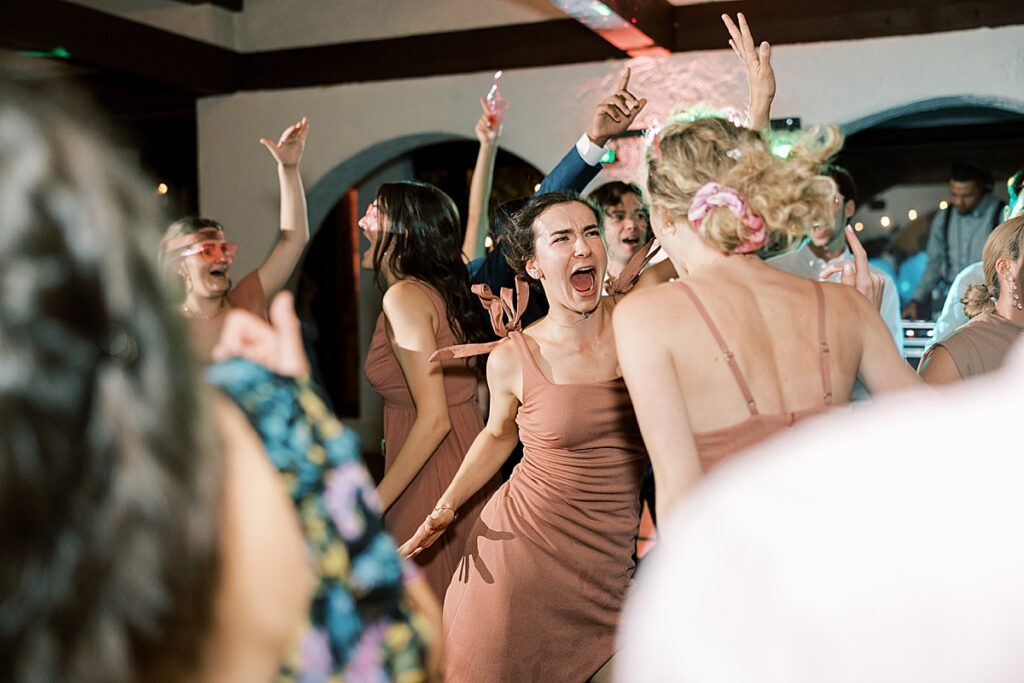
995 310
431 412
197 251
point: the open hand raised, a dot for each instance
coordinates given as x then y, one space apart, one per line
288 149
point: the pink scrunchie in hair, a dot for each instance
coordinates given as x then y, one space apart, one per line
711 196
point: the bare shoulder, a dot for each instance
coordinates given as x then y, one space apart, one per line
406 295
503 359
659 273
846 299
407 302
642 303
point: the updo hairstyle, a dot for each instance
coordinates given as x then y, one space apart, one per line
789 194
1004 242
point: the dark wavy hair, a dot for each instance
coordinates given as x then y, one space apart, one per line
109 487
611 193
521 239
424 241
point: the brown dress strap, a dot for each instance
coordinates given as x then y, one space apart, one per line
730 359
526 359
823 350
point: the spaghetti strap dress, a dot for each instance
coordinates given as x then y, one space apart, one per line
717 445
417 501
538 592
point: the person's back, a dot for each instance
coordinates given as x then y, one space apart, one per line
769 321
736 350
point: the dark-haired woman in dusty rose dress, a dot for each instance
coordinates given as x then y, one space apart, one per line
431 413
538 592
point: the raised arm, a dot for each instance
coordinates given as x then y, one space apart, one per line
489 450
285 255
758 63
658 400
488 130
412 328
613 116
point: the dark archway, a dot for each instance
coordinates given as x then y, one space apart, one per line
915 143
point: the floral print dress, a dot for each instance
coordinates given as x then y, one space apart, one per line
360 627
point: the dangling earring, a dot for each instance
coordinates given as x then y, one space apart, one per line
1015 293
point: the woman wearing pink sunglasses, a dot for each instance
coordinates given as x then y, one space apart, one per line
196 250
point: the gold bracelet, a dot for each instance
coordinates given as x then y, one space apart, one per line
438 508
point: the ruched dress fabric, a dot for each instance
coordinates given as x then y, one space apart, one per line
538 594
417 501
715 446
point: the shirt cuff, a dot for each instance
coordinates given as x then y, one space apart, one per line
589 152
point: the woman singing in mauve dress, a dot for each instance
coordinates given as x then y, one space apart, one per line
539 590
431 412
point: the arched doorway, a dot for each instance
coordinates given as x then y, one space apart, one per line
901 159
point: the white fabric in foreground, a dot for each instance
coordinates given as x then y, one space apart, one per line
848 549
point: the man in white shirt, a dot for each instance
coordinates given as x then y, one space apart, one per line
952 315
827 245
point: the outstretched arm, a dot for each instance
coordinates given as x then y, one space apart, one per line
758 63
489 450
611 117
488 130
285 255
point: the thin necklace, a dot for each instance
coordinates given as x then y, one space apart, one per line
583 316
189 313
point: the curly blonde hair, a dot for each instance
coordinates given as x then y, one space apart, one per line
1006 241
789 194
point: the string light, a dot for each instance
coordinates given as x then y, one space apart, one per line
886 221
943 205
912 214
858 226
161 189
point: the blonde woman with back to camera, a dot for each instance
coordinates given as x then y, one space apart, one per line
763 349
995 309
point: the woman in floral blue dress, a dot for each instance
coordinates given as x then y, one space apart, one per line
362 625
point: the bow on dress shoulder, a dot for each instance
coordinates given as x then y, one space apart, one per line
505 313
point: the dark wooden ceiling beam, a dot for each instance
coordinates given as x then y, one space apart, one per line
656 18
520 46
233 5
699 27
106 41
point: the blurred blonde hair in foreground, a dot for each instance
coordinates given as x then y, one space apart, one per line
848 550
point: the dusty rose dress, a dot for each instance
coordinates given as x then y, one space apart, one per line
416 502
538 594
981 345
716 445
